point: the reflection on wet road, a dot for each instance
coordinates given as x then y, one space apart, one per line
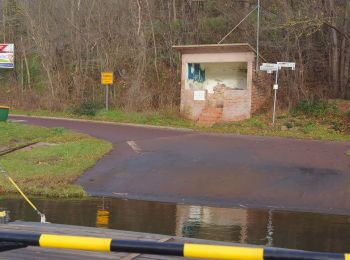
298 230
215 169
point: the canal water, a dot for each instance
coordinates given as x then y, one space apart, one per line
308 231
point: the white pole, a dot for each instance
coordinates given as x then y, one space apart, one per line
275 100
107 90
257 37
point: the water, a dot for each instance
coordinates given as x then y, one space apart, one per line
308 231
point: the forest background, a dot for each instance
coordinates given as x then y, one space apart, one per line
61 47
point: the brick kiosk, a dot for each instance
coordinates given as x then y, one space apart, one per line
218 83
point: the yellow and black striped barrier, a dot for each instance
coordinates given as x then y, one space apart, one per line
160 248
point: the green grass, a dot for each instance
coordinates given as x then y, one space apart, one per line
286 125
48 170
330 125
348 152
162 118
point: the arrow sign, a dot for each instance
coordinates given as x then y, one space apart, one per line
287 65
269 67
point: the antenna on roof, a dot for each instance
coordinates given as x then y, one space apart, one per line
257 37
257 31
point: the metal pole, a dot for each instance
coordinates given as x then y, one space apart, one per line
107 90
42 216
257 38
274 101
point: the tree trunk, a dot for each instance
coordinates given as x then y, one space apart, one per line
174 10
345 53
26 63
334 50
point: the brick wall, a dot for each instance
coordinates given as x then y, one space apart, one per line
261 90
236 105
191 108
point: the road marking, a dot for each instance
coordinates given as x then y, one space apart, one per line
120 194
17 120
134 146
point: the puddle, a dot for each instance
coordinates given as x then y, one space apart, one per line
308 231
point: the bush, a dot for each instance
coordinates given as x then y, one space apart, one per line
309 128
87 108
289 125
255 122
336 125
315 108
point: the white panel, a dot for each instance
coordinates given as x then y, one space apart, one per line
199 95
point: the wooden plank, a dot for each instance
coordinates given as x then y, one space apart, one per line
13 149
35 253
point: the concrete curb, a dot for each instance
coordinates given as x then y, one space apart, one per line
182 129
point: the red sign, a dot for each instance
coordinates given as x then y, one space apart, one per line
7 47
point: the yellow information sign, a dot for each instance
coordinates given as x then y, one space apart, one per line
106 78
102 219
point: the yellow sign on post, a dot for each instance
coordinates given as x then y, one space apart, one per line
106 78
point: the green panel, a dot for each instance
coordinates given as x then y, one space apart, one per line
4 113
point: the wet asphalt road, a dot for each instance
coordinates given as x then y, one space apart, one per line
213 169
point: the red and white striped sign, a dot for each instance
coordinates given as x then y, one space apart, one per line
7 56
7 47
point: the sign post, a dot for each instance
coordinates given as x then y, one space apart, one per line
107 79
269 68
275 87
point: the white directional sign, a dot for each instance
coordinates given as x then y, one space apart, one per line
286 65
269 67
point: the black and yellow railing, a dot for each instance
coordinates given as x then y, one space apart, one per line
174 249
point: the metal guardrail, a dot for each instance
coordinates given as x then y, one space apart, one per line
162 248
6 246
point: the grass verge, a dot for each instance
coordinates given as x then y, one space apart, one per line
163 118
51 169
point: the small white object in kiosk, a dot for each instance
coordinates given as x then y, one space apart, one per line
199 95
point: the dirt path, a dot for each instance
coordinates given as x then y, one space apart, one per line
214 169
